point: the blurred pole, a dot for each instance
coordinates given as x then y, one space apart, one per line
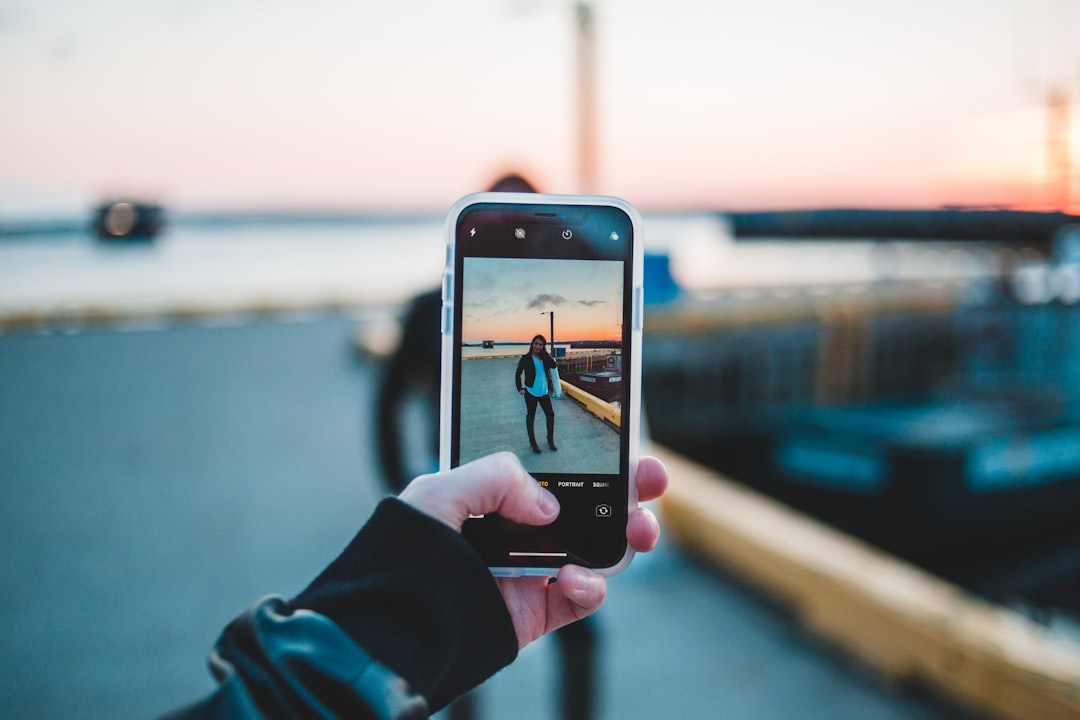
586 97
1059 173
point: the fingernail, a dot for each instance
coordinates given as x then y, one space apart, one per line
548 504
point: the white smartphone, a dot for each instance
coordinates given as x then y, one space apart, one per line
541 356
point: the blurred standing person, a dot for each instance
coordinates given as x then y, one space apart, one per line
413 373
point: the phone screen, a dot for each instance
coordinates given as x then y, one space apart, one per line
542 342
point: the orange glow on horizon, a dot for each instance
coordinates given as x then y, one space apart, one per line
565 331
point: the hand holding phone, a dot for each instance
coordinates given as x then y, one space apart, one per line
498 482
545 291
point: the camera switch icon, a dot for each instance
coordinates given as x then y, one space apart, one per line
603 510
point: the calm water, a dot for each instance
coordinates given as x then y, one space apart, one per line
315 262
192 264
516 349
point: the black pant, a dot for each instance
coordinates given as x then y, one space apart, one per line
530 415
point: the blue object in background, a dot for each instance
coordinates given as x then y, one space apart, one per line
660 287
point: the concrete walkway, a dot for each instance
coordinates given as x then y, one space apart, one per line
493 418
155 483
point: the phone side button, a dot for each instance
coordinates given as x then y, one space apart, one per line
446 316
447 286
638 309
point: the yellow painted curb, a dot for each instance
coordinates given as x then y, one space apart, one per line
596 406
904 622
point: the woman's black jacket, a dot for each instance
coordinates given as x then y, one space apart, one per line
528 367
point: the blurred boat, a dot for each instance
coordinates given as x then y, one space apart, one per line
599 374
944 430
127 220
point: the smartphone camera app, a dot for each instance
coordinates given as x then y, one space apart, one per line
541 360
527 325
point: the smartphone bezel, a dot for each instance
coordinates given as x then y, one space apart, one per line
630 416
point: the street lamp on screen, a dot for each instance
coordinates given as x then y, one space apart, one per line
551 334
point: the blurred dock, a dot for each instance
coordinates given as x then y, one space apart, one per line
186 428
942 429
909 625
157 481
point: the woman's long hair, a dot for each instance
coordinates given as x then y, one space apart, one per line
544 355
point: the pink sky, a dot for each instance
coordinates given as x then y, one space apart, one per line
505 299
351 105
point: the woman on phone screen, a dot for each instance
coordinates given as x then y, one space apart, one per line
535 366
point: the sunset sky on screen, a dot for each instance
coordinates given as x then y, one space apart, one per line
503 299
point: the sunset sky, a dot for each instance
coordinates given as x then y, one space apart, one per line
503 299
338 104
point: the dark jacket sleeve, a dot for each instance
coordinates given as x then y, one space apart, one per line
407 613
276 661
522 367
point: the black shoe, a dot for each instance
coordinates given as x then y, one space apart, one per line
536 448
551 444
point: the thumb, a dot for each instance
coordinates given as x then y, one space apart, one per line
493 484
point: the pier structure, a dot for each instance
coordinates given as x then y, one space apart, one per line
917 418
493 418
907 624
160 479
154 453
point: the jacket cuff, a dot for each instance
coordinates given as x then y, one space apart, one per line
276 661
419 599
